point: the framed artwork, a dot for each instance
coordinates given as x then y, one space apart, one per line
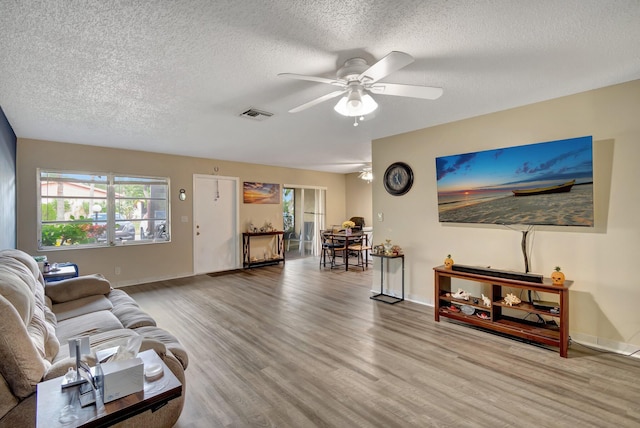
260 193
536 184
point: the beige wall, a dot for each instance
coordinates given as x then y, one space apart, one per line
143 263
359 200
601 261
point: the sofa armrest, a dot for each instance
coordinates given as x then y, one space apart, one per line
76 288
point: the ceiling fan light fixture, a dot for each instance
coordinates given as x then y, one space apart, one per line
366 174
354 101
356 105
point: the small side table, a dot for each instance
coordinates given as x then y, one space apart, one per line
51 398
386 298
64 271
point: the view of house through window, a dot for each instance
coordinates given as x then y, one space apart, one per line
93 209
288 209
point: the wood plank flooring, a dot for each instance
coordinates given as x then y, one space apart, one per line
298 346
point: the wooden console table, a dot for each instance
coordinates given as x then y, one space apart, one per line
556 334
248 261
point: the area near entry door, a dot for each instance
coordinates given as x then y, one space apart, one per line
215 224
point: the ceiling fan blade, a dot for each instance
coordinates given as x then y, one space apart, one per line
392 62
335 82
413 91
317 101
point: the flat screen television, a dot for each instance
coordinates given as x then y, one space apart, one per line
547 183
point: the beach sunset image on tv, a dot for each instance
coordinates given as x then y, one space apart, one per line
537 184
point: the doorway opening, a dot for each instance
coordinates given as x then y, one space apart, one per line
303 218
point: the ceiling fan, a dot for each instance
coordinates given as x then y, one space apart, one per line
366 174
357 78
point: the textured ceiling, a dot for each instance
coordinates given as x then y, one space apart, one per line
173 76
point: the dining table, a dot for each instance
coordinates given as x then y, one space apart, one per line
352 237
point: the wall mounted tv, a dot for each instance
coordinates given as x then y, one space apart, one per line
537 184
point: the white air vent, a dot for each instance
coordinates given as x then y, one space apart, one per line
256 114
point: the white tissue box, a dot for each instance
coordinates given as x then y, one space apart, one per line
122 378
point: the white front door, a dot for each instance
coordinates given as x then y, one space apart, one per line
215 224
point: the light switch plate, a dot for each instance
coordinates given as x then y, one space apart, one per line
380 216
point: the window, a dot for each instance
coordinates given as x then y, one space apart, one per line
97 210
288 210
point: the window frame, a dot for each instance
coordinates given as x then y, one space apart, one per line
112 202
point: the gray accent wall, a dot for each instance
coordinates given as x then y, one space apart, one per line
7 184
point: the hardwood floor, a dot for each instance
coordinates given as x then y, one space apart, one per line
296 346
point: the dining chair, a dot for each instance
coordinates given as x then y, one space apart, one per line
361 248
331 246
359 222
291 236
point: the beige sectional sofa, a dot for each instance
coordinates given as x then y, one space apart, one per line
37 319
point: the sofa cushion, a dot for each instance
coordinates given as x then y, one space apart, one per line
28 261
169 340
7 400
86 325
17 286
20 363
133 317
43 335
103 340
76 288
82 306
120 297
42 332
128 311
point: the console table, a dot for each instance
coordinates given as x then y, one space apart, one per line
249 262
556 334
386 298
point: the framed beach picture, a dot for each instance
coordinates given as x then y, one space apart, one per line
260 193
537 184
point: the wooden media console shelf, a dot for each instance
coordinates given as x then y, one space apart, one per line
495 317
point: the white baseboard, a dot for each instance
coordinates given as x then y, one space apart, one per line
138 281
605 344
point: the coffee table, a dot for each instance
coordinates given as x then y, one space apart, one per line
51 398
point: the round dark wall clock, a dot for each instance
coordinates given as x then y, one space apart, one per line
398 178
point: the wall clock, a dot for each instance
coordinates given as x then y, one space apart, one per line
398 178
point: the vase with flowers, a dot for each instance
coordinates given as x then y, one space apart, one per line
348 226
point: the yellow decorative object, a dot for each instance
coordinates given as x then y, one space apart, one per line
557 277
448 262
348 224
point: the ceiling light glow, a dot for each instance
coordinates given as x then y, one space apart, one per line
355 104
